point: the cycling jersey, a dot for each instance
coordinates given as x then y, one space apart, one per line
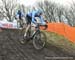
19 14
34 14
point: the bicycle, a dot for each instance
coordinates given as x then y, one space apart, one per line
38 37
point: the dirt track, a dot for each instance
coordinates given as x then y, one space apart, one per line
11 49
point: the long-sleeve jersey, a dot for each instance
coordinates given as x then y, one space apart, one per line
19 14
34 14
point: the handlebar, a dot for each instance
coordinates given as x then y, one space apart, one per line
39 24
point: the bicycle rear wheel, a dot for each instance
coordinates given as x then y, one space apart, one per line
39 40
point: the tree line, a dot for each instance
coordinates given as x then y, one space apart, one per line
53 12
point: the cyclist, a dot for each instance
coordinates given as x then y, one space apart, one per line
30 17
19 15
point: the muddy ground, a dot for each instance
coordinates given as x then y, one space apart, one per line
12 49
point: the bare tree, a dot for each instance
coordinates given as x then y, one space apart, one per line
59 12
8 9
48 8
70 14
51 10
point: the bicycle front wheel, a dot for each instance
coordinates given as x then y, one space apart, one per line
39 40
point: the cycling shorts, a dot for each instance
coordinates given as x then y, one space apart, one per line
28 19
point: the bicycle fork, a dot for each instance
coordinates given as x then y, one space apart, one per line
34 33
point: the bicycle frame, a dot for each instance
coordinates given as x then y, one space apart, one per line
37 30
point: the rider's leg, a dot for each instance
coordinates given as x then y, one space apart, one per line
28 26
21 22
18 23
34 27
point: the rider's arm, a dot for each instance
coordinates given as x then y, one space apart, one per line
33 17
42 20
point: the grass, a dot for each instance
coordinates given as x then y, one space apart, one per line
60 41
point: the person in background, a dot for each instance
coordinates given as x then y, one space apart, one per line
19 17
